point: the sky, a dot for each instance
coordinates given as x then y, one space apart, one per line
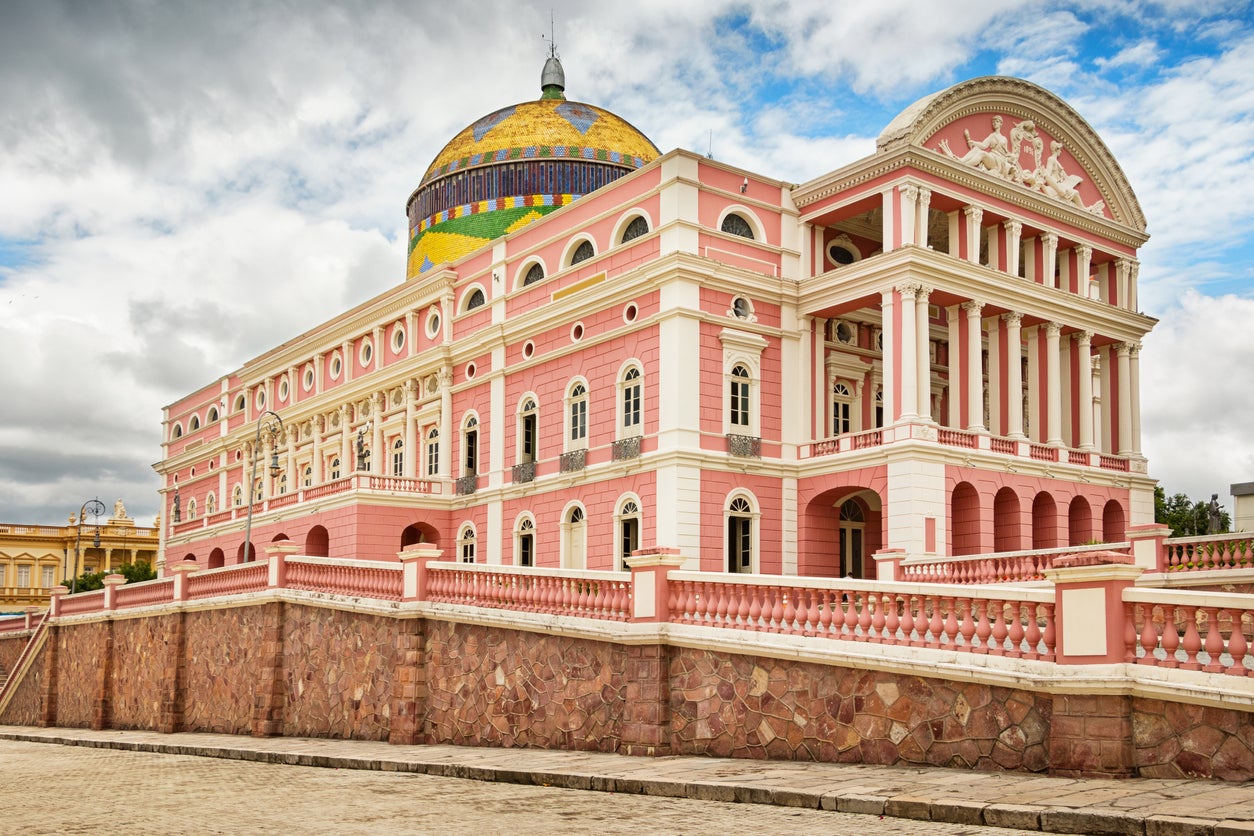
184 185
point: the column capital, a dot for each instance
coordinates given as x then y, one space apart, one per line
1012 318
909 290
444 377
925 194
1050 238
1084 338
1084 251
1125 349
1053 329
910 192
974 212
1134 349
972 307
1013 226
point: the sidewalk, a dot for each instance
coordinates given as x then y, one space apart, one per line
1027 802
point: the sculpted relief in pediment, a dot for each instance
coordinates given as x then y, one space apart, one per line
1018 158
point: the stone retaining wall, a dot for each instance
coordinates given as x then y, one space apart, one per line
283 668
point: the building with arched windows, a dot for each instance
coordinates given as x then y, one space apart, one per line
932 351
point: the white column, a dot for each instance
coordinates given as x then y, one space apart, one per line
1014 233
346 349
921 216
923 348
318 364
319 426
1084 267
975 366
1049 259
909 209
956 380
445 378
411 430
293 477
346 432
1134 400
1133 271
907 364
1014 374
889 232
1084 342
888 364
818 383
1053 386
974 215
1125 399
378 455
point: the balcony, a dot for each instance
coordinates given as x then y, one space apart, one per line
524 472
625 448
745 446
466 485
573 461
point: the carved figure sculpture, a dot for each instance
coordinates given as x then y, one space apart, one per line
119 510
1214 522
990 154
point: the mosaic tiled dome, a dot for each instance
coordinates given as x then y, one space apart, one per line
516 165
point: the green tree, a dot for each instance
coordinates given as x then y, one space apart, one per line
140 570
1186 517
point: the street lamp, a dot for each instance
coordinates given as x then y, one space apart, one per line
96 507
273 429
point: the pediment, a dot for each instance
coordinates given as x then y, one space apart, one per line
1013 130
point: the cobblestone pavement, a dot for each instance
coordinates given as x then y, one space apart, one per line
182 794
242 784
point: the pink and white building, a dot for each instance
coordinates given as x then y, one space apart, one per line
930 352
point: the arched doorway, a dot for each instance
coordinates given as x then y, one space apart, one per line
1006 521
245 557
575 539
964 512
1045 522
1113 526
216 558
317 542
417 533
853 518
1079 522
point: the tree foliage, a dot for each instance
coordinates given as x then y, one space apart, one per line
140 570
1186 517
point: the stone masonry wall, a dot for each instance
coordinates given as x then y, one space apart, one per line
491 687
283 668
743 706
11 646
25 705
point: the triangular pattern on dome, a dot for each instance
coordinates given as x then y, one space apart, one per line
581 117
487 123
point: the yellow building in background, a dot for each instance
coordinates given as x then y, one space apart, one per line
35 558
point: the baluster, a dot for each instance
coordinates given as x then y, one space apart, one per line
891 622
967 624
789 613
877 618
864 615
720 606
1150 640
1033 634
982 628
755 607
1016 630
1192 641
1237 645
997 615
1214 641
951 623
777 610
1048 636
1171 637
1129 632
825 605
849 618
907 621
934 624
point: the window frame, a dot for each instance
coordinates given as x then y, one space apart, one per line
577 403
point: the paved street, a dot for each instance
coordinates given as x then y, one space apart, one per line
70 789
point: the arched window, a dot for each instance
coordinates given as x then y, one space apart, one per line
534 274
736 225
630 388
193 424
307 476
433 451
582 253
178 430
211 504
282 484
237 496
470 446
475 299
638 226
240 400
191 509
575 539
398 457
852 537
528 417
740 545
335 468
525 543
259 490
213 414
628 519
738 389
577 417
466 544
842 408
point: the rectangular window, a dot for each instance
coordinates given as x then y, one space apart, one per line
433 457
529 438
630 540
398 463
631 406
526 547
49 577
472 452
739 403
23 577
739 544
578 420
840 417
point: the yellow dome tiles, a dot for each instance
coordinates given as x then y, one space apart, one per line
544 128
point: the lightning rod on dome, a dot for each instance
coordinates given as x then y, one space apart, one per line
553 77
709 146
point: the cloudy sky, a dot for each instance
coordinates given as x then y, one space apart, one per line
186 184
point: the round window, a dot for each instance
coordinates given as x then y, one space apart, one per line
630 312
398 337
433 324
337 366
528 349
470 371
367 351
307 380
576 332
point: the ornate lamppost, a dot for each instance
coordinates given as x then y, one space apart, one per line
273 425
96 507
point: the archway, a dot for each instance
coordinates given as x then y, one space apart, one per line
217 558
1113 525
1079 522
242 557
317 542
1045 522
419 532
1006 526
964 515
832 542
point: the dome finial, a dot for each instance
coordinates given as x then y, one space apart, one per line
552 77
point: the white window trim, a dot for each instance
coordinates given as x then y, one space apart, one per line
466 428
466 535
575 241
567 527
570 444
620 228
755 529
742 348
619 517
469 291
519 531
520 275
519 414
751 217
621 429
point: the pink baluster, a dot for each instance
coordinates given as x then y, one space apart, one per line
850 627
934 624
1237 645
1171 637
951 623
789 613
1033 634
755 608
877 618
997 615
1192 641
1049 634
1016 630
825 605
982 628
967 625
720 607
1149 639
777 610
1129 632
1214 641
907 621
892 622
